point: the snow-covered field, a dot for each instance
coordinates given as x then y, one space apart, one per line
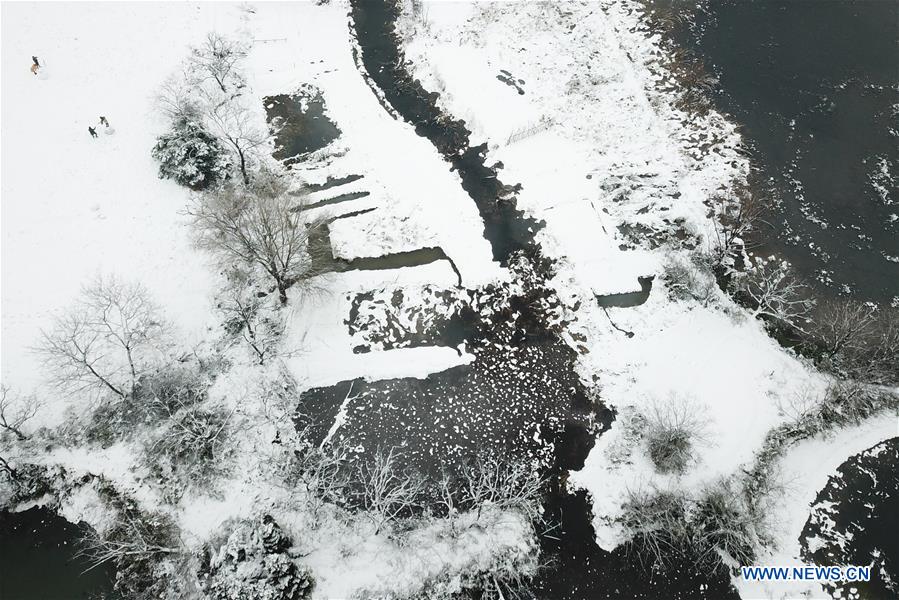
73 206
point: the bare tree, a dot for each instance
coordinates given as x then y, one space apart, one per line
115 328
74 353
856 339
177 100
125 315
5 467
387 490
236 125
131 538
735 217
15 411
218 60
843 325
259 226
773 291
208 90
251 317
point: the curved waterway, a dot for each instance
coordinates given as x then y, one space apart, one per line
502 345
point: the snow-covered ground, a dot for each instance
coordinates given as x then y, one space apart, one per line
75 207
726 368
100 199
593 142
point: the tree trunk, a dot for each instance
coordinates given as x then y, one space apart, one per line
105 381
243 164
4 466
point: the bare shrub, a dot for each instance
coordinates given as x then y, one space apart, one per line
157 397
387 491
856 339
849 402
708 531
771 290
844 402
508 580
113 335
672 431
260 227
657 524
190 447
688 280
507 484
724 524
16 411
321 474
132 535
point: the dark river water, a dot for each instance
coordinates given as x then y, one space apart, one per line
522 390
39 560
814 85
855 521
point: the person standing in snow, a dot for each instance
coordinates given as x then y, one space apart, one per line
103 121
92 131
36 63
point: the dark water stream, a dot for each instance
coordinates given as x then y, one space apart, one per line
855 521
815 85
39 559
522 390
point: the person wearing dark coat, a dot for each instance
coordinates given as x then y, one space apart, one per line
36 63
92 131
103 121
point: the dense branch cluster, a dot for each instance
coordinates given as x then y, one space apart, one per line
113 336
260 226
208 113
